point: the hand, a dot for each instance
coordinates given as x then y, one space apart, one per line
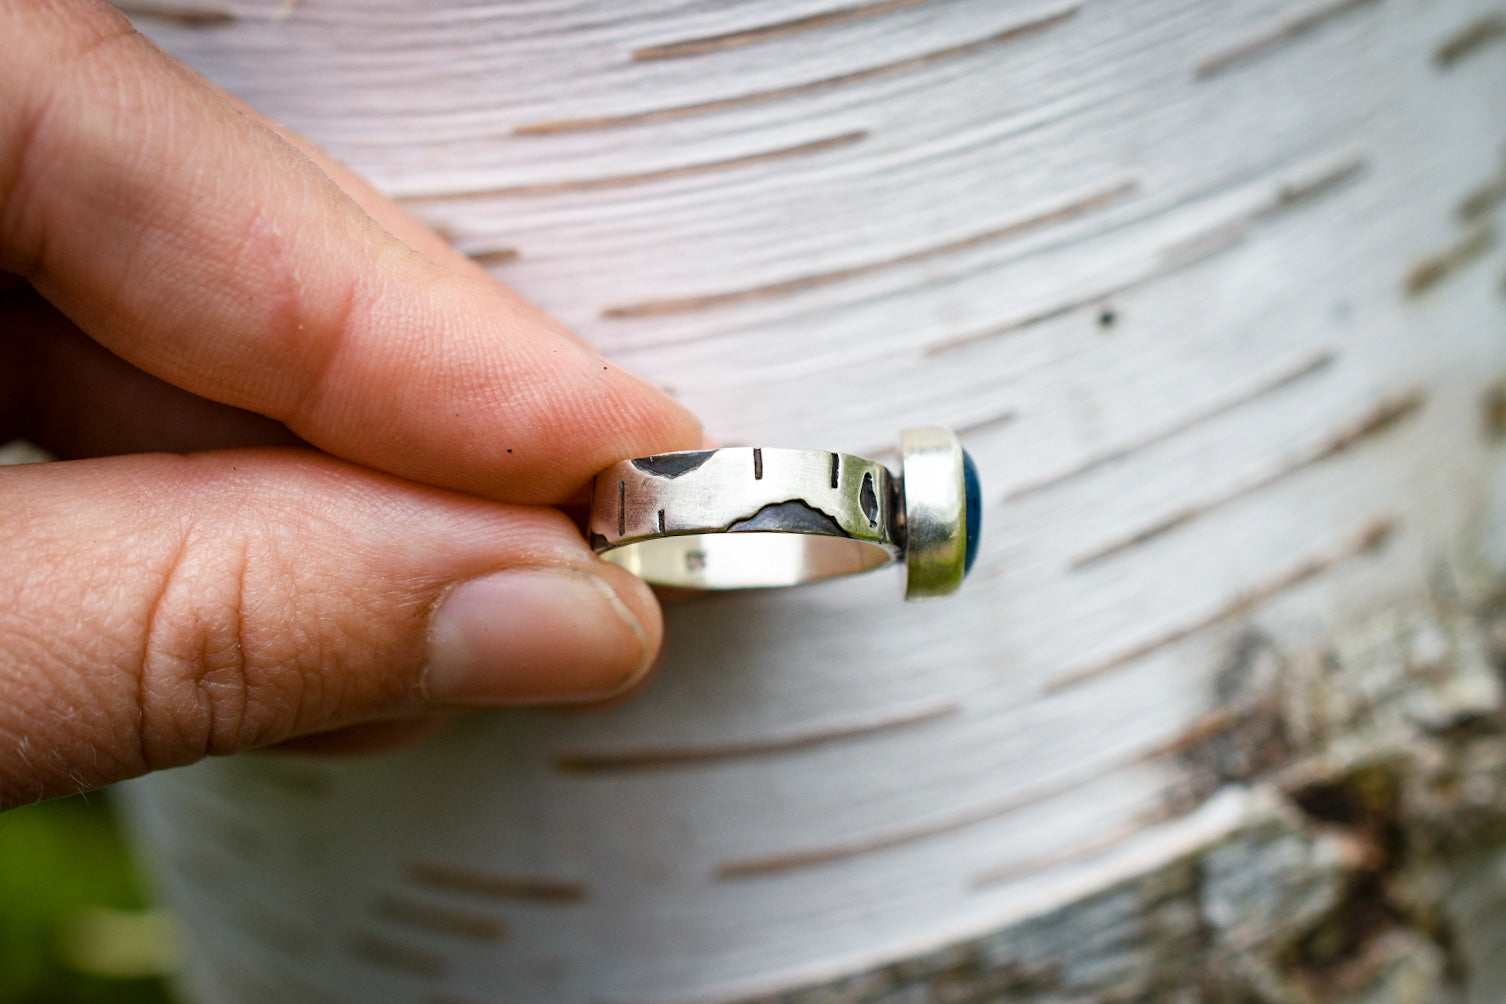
177 275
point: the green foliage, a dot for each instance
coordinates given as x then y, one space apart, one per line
74 926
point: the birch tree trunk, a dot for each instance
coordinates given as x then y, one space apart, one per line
1212 292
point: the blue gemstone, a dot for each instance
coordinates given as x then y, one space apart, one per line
974 527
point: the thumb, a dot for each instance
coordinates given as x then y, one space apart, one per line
157 609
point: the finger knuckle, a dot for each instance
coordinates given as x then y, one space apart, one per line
208 685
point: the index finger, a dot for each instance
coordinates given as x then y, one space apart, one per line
196 243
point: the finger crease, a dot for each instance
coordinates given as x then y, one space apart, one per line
154 653
317 361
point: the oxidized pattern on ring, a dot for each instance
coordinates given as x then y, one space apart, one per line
748 517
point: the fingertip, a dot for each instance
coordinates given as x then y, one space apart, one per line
540 635
665 419
639 603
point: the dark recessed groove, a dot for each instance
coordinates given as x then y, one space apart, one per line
1011 34
189 14
496 257
1470 39
896 837
661 174
1060 214
762 33
1483 199
1286 32
779 863
1434 269
821 734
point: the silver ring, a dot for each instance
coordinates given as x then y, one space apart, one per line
745 517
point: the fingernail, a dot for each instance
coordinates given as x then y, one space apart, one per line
531 636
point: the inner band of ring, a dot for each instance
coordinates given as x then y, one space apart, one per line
740 517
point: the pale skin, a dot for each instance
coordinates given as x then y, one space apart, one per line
318 452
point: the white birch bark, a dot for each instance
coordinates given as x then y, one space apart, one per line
1212 292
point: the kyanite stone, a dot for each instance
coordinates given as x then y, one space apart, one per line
974 509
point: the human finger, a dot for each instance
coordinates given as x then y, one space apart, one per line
389 214
155 609
199 245
77 399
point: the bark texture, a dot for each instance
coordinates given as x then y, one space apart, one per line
1213 293
1367 863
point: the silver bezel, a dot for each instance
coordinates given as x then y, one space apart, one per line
934 497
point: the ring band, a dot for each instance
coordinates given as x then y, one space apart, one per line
745 517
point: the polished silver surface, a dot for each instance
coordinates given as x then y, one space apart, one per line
935 498
744 517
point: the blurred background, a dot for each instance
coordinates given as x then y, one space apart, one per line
77 921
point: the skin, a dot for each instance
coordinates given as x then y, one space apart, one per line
313 455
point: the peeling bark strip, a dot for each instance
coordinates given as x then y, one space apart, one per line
748 36
1019 31
661 174
1381 419
1431 271
1370 539
1288 31
491 886
1470 39
1060 214
600 761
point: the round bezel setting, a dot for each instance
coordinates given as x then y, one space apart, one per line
935 495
